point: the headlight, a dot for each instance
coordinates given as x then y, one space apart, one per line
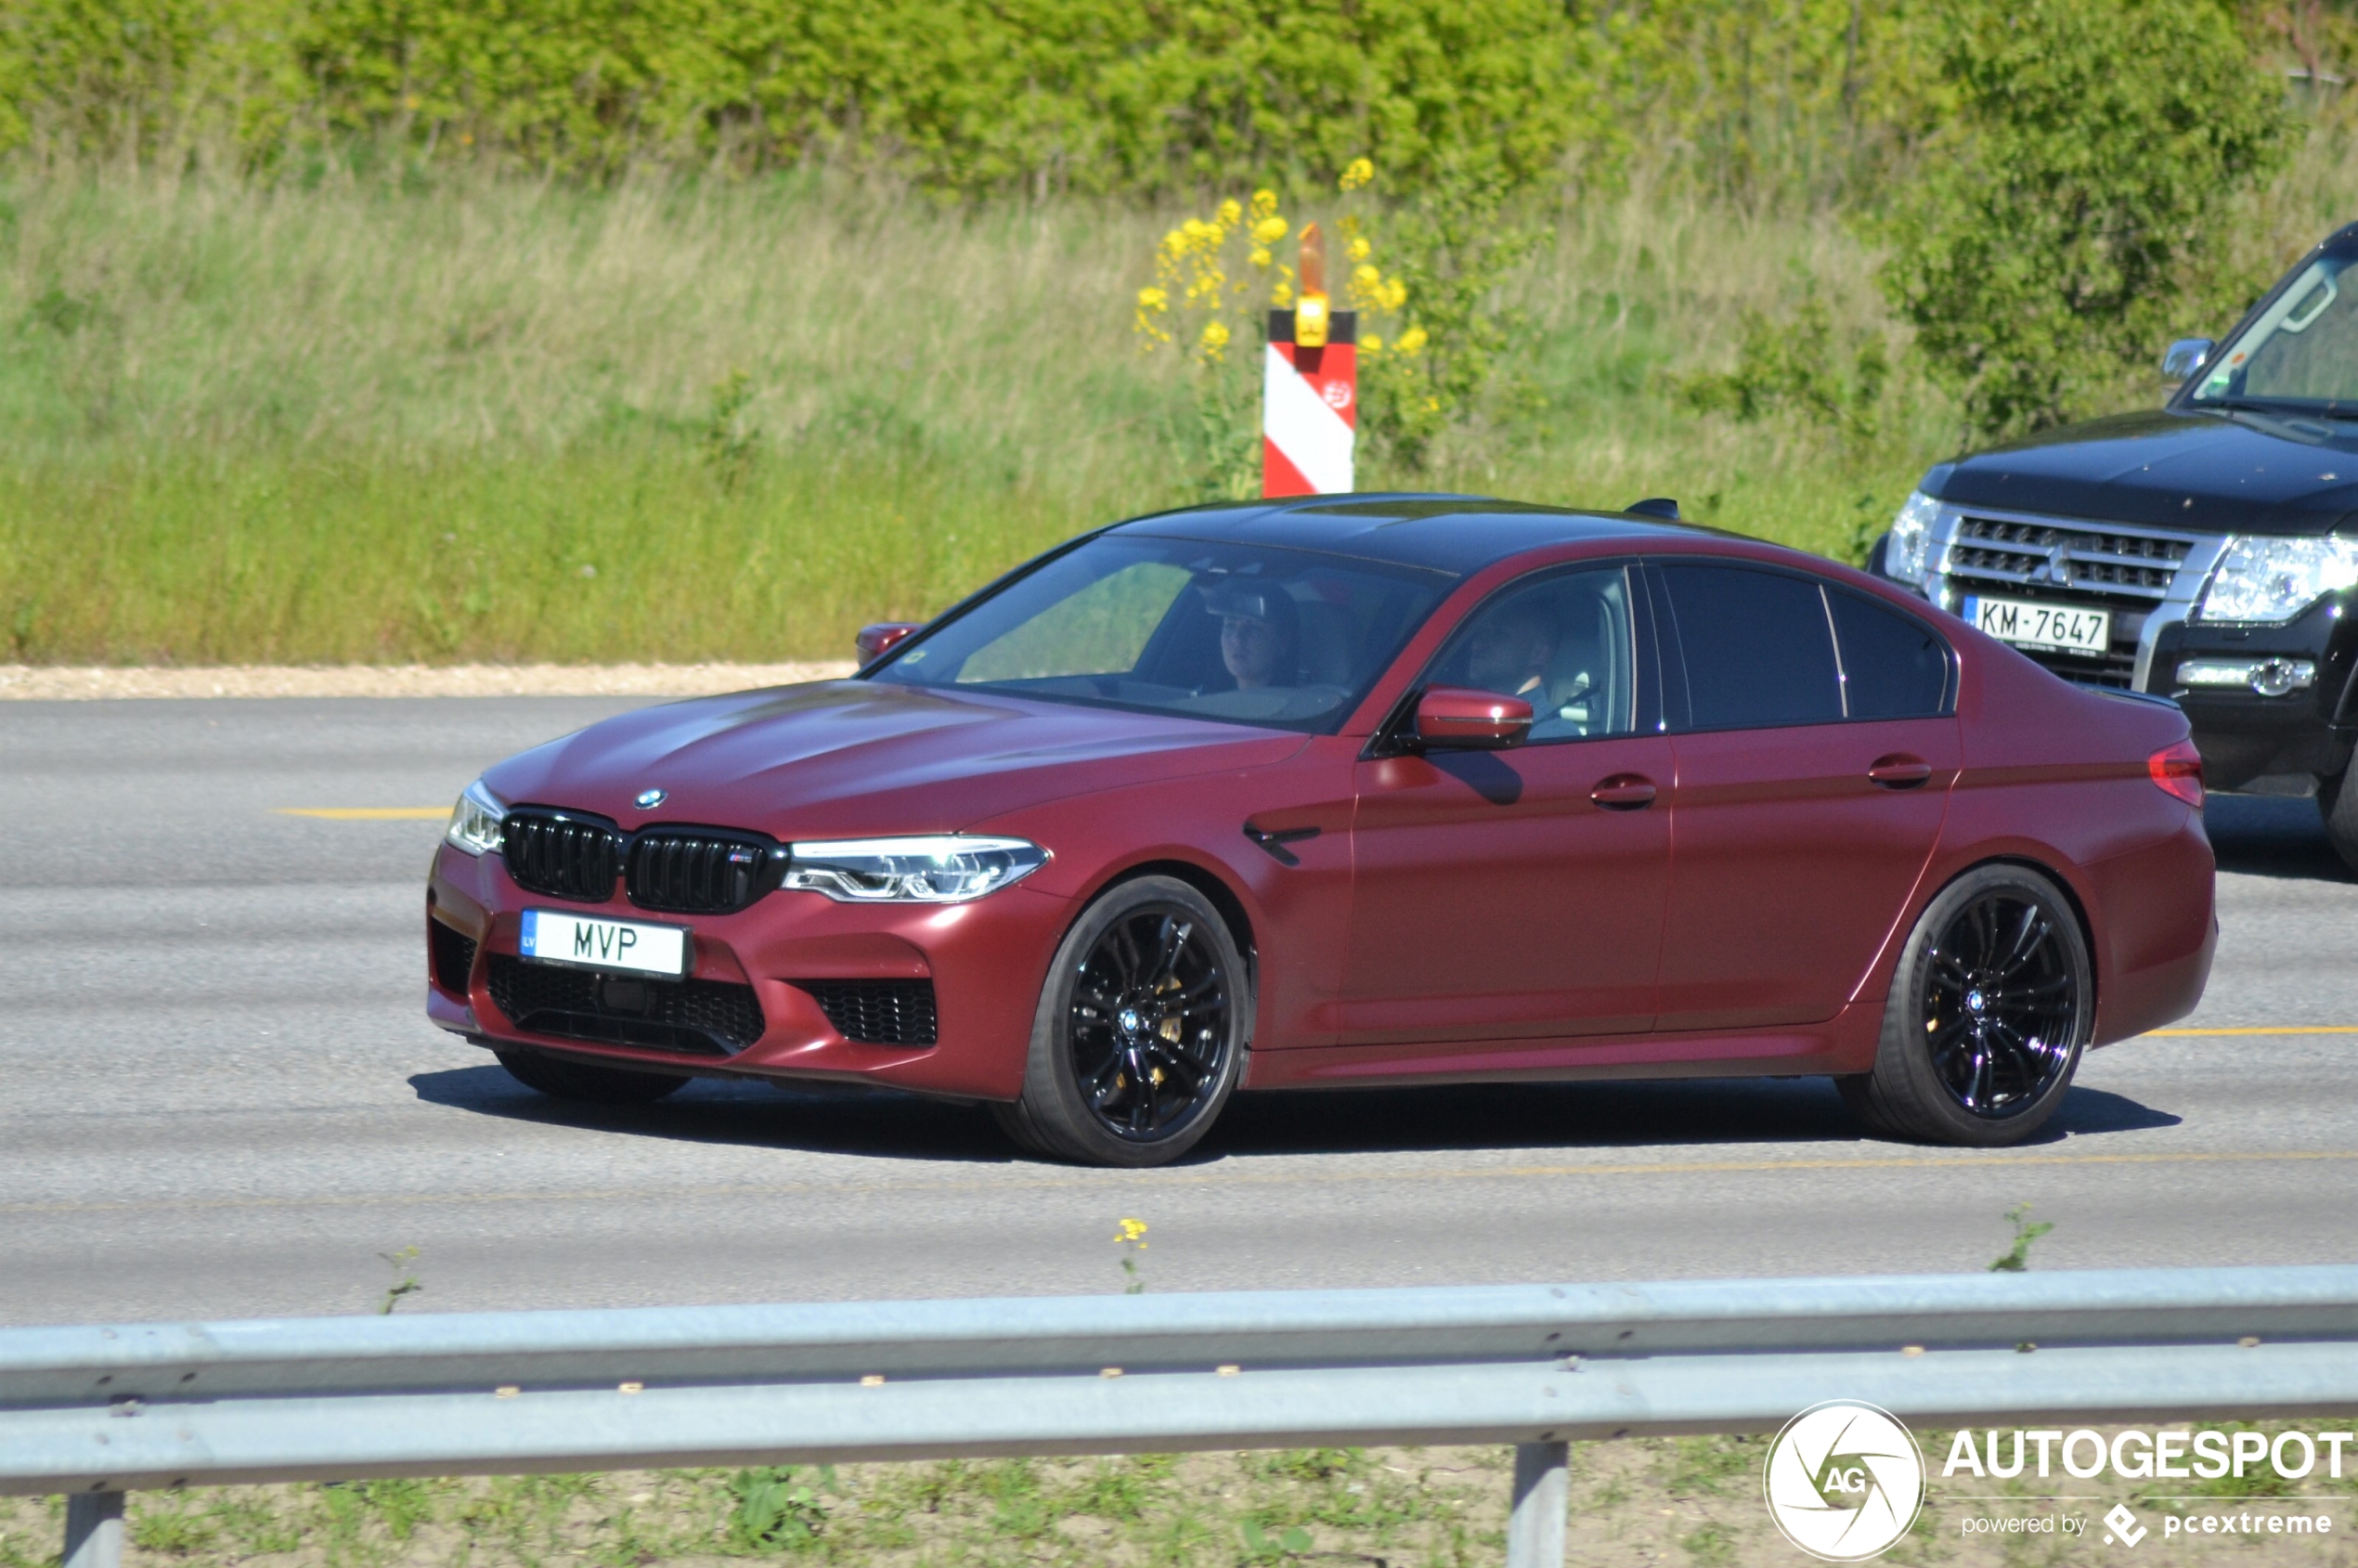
2268 581
1909 552
475 820
948 869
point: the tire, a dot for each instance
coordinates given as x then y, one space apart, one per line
587 1083
1991 1005
1141 1032
2338 804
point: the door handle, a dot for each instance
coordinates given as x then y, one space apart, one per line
1900 770
1624 792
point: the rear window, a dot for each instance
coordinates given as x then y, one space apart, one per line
1892 665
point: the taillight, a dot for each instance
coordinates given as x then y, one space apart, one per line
2178 769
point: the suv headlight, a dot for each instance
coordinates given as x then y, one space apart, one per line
2268 581
475 820
944 869
1909 554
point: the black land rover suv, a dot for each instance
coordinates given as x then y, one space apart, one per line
2206 552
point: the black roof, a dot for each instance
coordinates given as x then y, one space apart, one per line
1454 534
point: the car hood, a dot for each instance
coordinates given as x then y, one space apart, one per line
847 759
2218 473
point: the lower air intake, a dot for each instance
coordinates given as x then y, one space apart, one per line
878 1012
693 1017
452 954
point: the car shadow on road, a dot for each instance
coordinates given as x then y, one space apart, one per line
1557 1118
821 1118
2271 836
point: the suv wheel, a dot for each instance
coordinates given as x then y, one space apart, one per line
2337 803
1991 1007
1141 1031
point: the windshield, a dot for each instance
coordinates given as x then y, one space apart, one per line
1284 638
2300 356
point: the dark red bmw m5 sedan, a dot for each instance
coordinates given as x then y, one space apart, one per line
1354 790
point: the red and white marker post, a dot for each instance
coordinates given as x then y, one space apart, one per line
1310 397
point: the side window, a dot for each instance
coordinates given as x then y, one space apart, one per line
1758 649
1892 665
1562 644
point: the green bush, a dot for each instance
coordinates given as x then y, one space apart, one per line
2070 213
964 94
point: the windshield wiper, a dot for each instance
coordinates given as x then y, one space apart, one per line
2276 408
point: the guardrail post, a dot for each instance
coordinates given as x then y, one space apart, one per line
1543 1497
94 1530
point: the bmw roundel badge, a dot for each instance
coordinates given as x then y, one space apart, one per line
649 799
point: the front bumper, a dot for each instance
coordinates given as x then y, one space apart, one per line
2245 736
984 961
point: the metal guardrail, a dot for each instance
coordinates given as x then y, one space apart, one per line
93 1412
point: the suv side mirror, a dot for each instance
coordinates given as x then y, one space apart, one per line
1457 718
875 641
2186 357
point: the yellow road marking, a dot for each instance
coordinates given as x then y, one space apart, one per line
1963 1158
2288 1029
369 813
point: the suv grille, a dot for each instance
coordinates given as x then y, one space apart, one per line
699 871
564 854
2133 570
452 954
694 1017
878 1012
682 869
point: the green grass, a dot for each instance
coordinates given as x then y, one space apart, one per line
463 419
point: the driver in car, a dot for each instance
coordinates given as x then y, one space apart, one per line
1510 652
1260 630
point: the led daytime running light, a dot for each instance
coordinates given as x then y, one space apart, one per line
475 820
941 869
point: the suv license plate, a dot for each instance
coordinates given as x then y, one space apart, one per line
2068 629
627 947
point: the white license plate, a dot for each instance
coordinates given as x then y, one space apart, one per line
580 941
2026 624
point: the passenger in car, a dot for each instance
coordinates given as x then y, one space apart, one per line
1260 630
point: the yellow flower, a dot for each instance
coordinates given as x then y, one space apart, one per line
1412 341
1269 230
1215 348
1154 299
1358 249
1265 204
1259 256
1357 172
1229 213
1365 276
1371 345
1395 294
1282 295
1132 1231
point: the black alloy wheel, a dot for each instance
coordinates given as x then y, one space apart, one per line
2002 1002
1140 1033
1989 1009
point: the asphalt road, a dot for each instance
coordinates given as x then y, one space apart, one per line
219 1096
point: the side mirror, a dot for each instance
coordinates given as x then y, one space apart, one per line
1454 718
2186 357
875 641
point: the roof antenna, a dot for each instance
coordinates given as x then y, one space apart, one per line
1654 506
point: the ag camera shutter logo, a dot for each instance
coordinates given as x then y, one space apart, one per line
1844 1481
